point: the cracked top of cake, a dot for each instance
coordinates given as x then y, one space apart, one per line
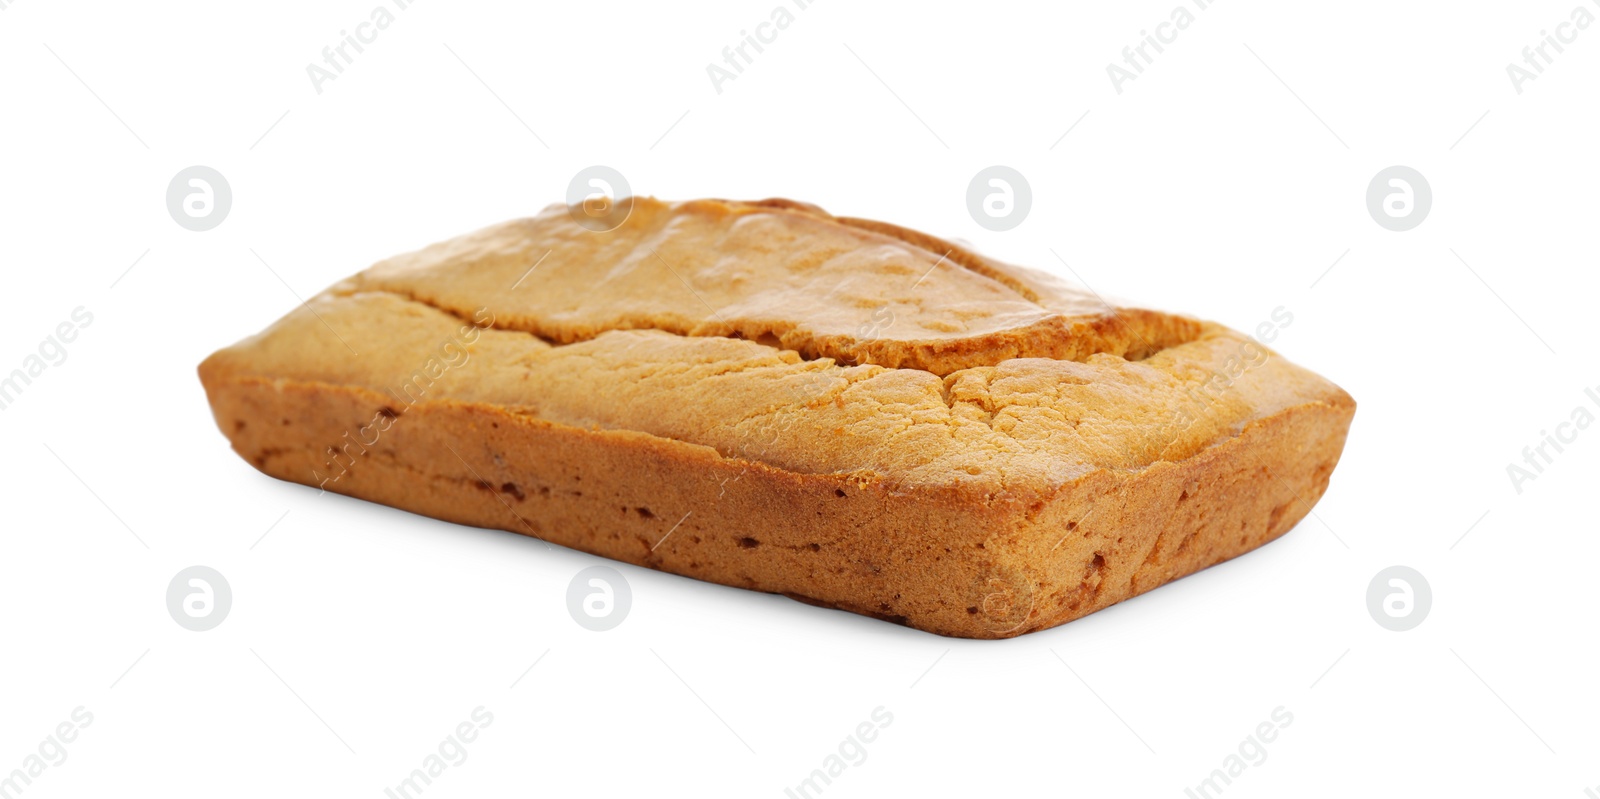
774 332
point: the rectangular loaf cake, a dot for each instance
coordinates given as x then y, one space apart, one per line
846 412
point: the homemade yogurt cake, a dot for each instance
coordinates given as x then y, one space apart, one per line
762 395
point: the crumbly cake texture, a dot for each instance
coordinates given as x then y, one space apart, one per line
762 395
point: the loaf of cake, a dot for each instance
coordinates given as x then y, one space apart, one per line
760 394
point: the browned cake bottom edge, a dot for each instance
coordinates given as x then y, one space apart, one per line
954 560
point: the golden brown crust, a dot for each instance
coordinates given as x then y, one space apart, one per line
1008 454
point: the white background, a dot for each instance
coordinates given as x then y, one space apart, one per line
360 636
